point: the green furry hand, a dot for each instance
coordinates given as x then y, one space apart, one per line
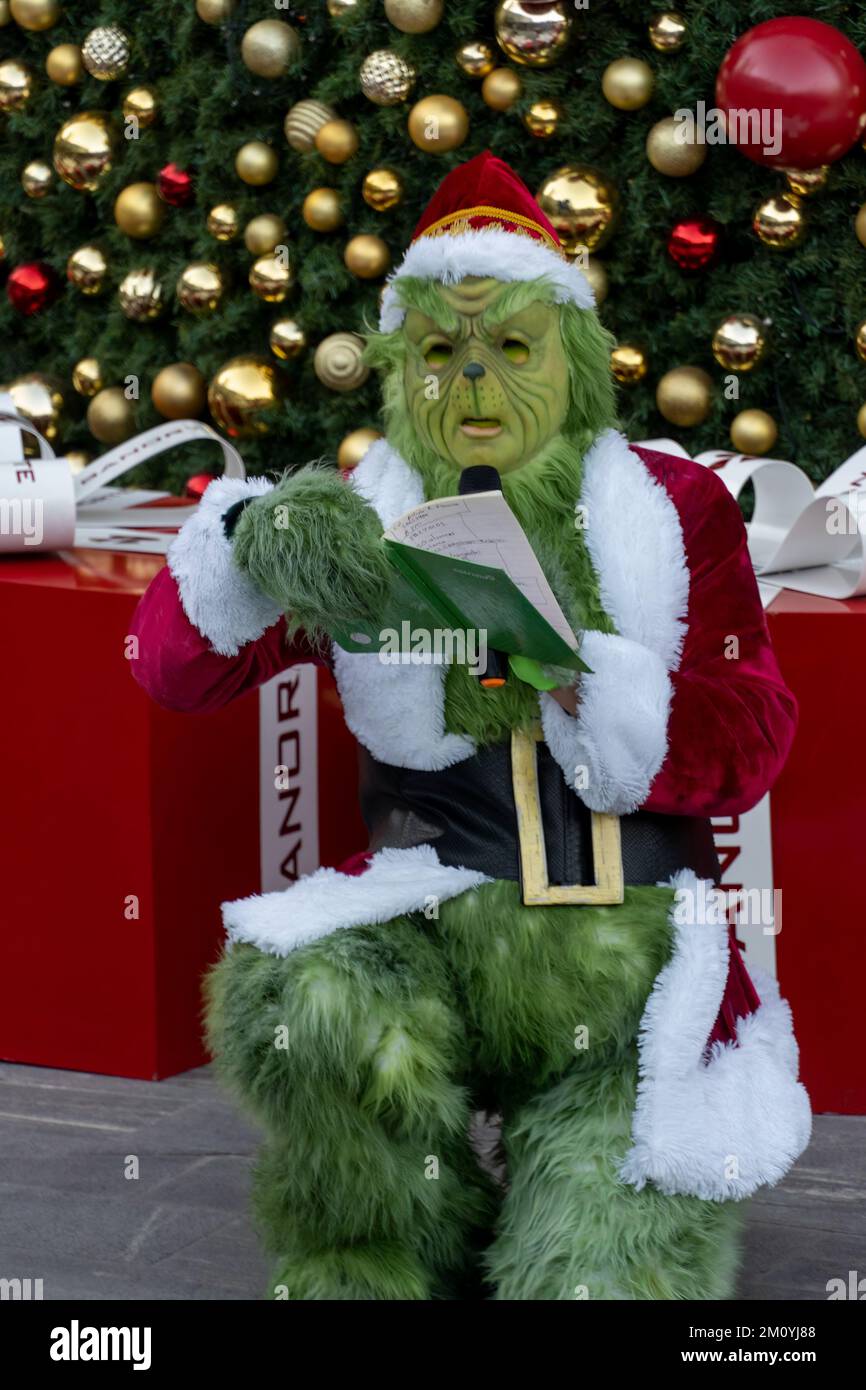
315 547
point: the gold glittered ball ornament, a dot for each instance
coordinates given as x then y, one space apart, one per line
353 447
628 362
140 295
338 362
386 78
87 377
533 34
805 182
780 222
36 15
37 178
223 222
84 149
542 119
627 83
860 340
861 420
269 47
105 52
739 342
287 339
303 121
382 189
322 210
367 257
40 400
139 211
263 233
582 204
256 163
438 124
336 141
271 277
597 277
753 432
16 85
671 155
860 225
667 31
200 287
501 88
110 416
141 103
414 16
64 64
242 391
179 391
214 11
475 59
87 268
684 396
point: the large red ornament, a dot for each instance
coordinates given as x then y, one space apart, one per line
197 485
694 242
174 185
31 287
809 72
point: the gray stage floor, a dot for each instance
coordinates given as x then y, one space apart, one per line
181 1230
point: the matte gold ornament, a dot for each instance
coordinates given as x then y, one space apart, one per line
860 340
475 59
860 225
87 377
542 119
532 34
628 362
501 88
780 222
215 11
263 233
16 84
597 277
386 78
287 339
753 432
64 64
627 83
140 295
37 178
322 210
354 446
223 222
179 392
303 121
105 52
35 15
337 141
684 396
667 31
139 211
271 277
256 163
739 342
861 420
805 182
582 204
671 156
200 287
438 124
338 362
87 268
414 16
269 47
241 392
141 103
382 189
110 416
367 257
40 400
84 149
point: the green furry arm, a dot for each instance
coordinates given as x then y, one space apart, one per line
314 546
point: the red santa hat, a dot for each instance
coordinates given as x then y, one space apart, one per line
483 220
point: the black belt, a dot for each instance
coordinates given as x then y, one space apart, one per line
467 813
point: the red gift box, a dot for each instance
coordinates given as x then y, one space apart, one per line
124 826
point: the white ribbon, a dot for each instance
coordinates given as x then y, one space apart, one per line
44 506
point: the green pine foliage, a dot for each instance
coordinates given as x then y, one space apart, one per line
811 381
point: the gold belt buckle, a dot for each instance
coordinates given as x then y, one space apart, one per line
606 839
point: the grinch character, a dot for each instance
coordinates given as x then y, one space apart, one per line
646 1083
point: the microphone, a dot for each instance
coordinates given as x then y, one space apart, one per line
482 477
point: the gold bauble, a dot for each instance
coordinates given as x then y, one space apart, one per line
501 88
40 400
64 65
287 339
35 14
628 362
354 446
271 277
241 391
223 222
78 459
753 432
263 233
87 268
780 222
302 122
16 85
860 225
627 83
110 416
139 210
668 154
200 287
582 204
322 210
269 47
684 396
338 362
140 102
179 392
667 31
5 14
860 340
36 178
256 163
84 149
87 377
475 59
386 78
414 16
739 342
861 420
438 124
140 295
214 11
805 182
337 8
382 189
597 277
336 141
105 52
532 34
542 119
367 257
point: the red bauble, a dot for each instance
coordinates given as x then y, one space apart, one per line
196 485
174 185
812 74
693 242
31 287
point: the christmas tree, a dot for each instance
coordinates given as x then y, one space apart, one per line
186 184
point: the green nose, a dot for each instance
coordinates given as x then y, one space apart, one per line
473 370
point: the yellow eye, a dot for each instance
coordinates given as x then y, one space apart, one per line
516 351
438 354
